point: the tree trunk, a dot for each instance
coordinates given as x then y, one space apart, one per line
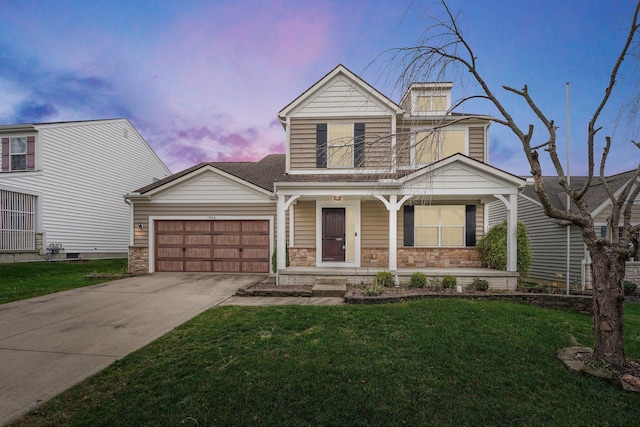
608 268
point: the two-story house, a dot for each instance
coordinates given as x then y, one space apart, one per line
365 185
61 187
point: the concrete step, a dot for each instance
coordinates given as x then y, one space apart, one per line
330 280
329 290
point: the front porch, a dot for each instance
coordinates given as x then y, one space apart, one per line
498 280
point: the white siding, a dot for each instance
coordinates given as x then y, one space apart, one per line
339 97
210 187
86 168
456 178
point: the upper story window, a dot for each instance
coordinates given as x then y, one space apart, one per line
431 103
340 145
18 153
435 144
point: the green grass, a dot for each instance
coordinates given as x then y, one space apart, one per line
430 362
27 280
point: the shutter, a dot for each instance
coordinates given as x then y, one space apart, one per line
408 225
470 224
31 151
321 145
5 154
358 145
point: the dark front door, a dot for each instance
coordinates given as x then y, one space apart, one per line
333 234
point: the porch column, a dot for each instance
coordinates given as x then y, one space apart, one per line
393 233
511 203
512 238
281 230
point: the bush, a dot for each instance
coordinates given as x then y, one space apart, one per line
480 284
448 281
493 248
435 284
384 278
417 280
629 287
373 289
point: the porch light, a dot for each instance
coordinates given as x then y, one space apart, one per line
140 226
337 198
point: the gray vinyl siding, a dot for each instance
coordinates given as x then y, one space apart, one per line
144 210
547 240
477 143
377 140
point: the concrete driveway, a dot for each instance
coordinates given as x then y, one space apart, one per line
49 343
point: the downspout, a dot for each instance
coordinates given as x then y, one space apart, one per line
568 278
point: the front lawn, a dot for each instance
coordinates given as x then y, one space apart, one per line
429 362
27 280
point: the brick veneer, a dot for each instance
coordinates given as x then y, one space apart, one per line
138 260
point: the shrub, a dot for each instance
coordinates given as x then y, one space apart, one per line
493 248
448 281
274 258
384 278
629 287
434 283
373 289
480 284
417 280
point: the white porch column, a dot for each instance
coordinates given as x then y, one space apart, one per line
512 237
511 203
393 232
281 230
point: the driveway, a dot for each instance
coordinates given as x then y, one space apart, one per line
49 343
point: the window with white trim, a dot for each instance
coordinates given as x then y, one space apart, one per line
435 144
439 226
18 153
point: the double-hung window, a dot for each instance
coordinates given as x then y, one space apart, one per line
18 153
435 144
340 145
440 225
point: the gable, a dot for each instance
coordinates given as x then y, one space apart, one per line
457 177
210 186
341 96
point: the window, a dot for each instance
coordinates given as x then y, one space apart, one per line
17 221
340 145
18 154
431 103
439 225
433 145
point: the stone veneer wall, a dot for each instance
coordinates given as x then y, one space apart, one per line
138 260
438 258
632 272
302 257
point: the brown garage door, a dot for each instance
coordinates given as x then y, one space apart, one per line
227 246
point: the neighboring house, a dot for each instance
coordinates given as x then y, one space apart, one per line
548 237
365 185
61 187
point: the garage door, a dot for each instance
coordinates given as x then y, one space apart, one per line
227 246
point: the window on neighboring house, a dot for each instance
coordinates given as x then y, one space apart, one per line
340 145
18 153
440 225
431 103
433 145
17 221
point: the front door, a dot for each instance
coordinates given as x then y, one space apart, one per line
333 234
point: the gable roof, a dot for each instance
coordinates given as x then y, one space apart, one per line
339 70
595 196
34 126
262 173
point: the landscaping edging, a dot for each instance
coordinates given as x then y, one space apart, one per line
107 276
572 303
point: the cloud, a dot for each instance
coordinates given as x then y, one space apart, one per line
34 112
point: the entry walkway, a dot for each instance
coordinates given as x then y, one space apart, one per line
50 343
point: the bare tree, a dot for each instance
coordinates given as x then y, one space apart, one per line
442 50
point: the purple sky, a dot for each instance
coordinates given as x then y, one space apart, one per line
204 80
